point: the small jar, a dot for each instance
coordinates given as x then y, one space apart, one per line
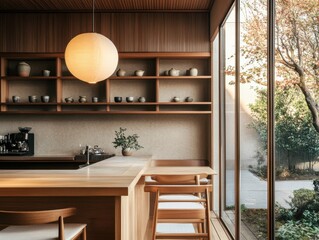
15 99
120 73
176 99
32 99
95 99
82 99
141 99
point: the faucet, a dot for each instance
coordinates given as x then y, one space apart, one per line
87 151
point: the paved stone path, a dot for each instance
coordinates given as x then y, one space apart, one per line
253 190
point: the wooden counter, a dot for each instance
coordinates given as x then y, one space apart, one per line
107 194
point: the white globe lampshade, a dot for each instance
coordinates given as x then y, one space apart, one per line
91 57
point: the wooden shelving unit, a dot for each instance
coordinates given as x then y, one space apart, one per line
155 86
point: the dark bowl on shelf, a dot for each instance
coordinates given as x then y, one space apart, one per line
25 129
118 99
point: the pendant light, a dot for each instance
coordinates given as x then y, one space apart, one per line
91 57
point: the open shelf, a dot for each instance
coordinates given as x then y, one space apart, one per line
157 88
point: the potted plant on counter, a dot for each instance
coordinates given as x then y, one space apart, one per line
127 143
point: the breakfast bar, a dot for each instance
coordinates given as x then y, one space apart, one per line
107 195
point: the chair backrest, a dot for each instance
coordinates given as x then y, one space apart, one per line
34 217
177 179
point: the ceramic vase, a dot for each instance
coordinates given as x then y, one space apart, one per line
127 152
193 71
24 69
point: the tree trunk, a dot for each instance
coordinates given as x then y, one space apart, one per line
311 103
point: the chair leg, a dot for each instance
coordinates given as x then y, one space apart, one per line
155 216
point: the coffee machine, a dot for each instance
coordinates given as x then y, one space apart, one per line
17 144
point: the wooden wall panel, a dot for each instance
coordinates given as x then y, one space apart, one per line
130 32
217 15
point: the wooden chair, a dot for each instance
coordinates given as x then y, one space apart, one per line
184 202
33 225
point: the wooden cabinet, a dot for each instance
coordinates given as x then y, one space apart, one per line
155 86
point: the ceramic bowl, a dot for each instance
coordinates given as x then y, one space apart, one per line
129 99
117 99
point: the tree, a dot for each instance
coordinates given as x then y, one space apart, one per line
294 134
297 47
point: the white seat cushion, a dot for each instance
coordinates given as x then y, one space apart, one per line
178 197
180 205
175 228
40 232
149 180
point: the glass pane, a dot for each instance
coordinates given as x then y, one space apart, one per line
253 119
297 125
229 120
215 54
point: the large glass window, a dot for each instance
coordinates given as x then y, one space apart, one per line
253 119
296 114
228 119
296 123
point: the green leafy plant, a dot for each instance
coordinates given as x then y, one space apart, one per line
126 142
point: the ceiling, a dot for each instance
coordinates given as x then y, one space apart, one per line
105 5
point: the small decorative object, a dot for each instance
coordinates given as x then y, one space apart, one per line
117 99
45 99
127 143
24 69
139 73
46 73
193 71
82 99
174 72
141 99
95 99
15 99
129 99
166 73
120 73
32 99
69 100
189 99
176 99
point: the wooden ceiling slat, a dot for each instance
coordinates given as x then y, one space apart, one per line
107 5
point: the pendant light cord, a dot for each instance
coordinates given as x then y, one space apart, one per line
93 14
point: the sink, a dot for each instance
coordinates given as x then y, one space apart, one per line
50 165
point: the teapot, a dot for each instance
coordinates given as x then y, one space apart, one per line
173 72
97 151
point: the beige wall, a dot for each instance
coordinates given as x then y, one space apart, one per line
164 137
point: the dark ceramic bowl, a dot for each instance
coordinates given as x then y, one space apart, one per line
25 129
129 99
117 99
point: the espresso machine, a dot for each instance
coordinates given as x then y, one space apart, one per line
17 144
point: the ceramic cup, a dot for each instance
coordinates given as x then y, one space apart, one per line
95 99
46 73
141 99
117 99
32 99
129 99
189 99
45 99
15 99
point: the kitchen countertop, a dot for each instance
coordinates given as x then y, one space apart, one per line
114 176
